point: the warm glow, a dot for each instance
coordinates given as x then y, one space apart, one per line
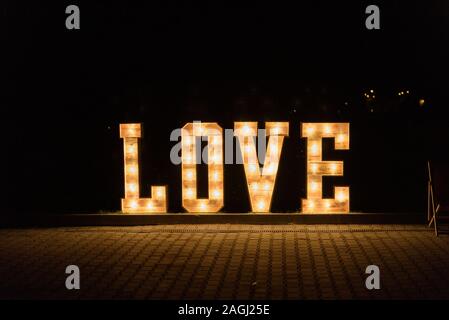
252 168
333 168
317 168
340 197
132 203
261 182
314 148
214 135
310 130
132 187
216 193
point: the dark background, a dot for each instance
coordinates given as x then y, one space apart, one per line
167 63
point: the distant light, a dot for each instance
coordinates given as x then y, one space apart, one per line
372 91
422 102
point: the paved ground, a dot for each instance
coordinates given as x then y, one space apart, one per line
225 262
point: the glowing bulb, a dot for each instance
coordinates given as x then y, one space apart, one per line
202 206
340 197
215 159
252 168
340 138
313 186
132 187
187 140
327 129
215 176
310 130
270 169
134 204
189 193
216 141
275 131
314 168
248 148
255 186
372 91
149 205
131 150
311 205
132 169
327 205
246 129
189 174
333 168
261 205
266 186
159 194
188 158
216 193
314 148
274 149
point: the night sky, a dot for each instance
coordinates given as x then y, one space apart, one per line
165 64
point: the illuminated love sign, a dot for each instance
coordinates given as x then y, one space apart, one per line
260 181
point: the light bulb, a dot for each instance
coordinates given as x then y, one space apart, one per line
310 130
187 140
275 131
131 150
252 168
314 148
215 176
189 174
340 197
340 138
159 194
333 168
132 187
189 193
216 193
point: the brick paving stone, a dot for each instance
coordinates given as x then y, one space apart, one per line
225 262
